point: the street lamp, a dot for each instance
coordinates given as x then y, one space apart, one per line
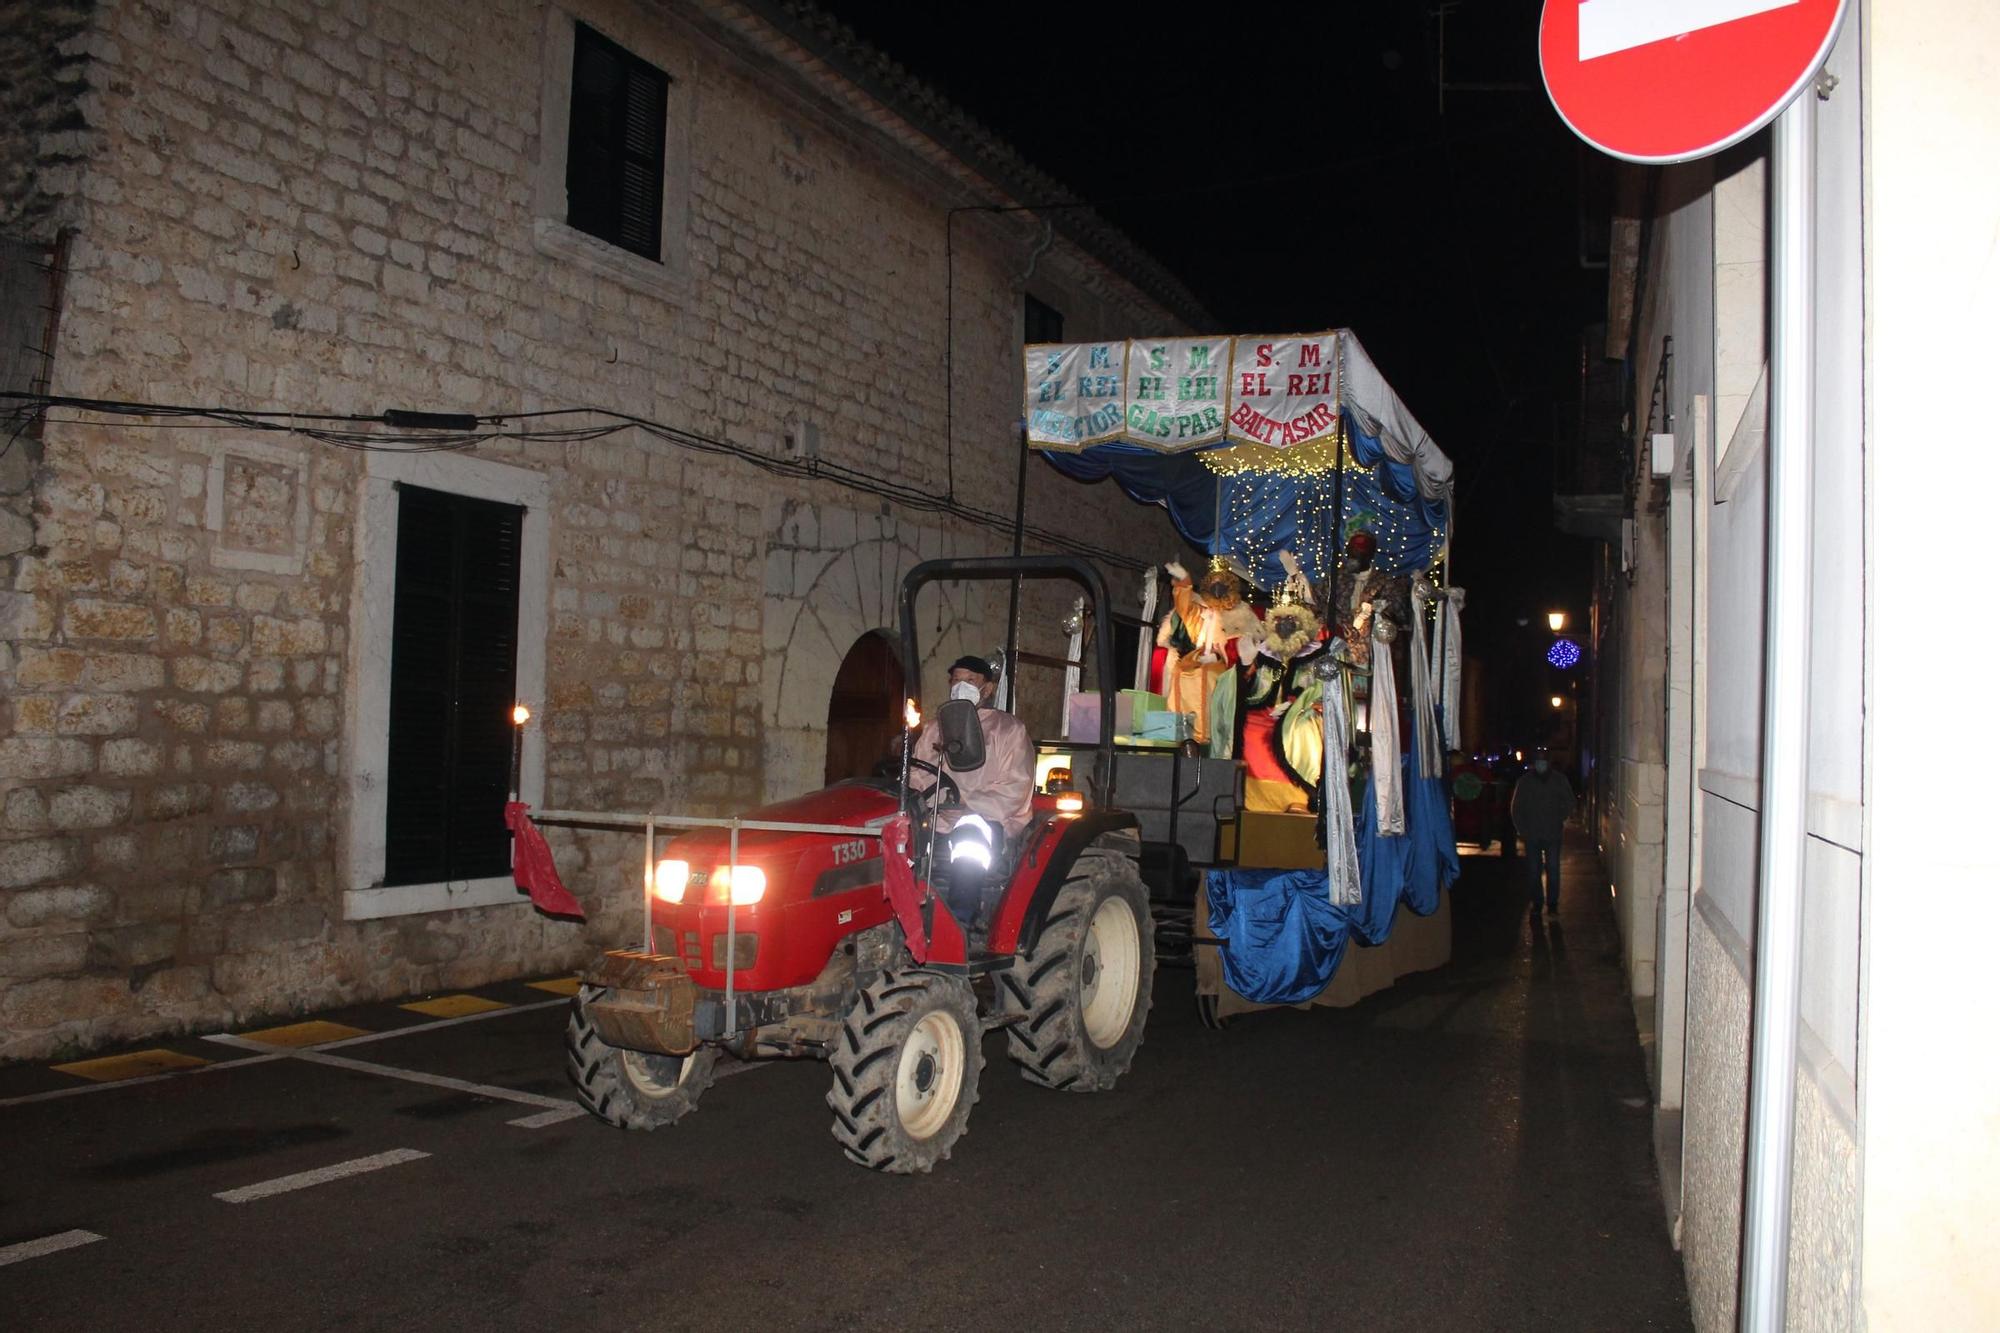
1555 701
1556 622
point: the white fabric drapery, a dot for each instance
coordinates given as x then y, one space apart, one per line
1073 674
1423 695
1148 605
1385 735
1343 862
1364 392
1446 682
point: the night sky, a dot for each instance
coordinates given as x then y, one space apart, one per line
1290 163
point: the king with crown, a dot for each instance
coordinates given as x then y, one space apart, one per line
1210 630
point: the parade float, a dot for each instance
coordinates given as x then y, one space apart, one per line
1297 693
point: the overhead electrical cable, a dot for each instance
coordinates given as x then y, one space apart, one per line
382 433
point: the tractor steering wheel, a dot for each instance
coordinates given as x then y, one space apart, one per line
946 787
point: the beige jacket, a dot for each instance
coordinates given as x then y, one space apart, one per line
1003 788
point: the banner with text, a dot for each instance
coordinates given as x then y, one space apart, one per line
1076 394
1283 391
1175 394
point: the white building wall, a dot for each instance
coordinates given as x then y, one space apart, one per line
1929 1109
1710 292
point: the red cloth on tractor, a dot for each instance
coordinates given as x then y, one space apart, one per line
535 866
932 936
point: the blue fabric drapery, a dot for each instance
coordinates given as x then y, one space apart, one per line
1177 482
1283 939
1433 856
1254 516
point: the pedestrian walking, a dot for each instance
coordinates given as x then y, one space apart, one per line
1542 804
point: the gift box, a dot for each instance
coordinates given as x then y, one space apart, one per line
1134 707
1086 717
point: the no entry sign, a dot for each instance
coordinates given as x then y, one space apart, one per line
1670 80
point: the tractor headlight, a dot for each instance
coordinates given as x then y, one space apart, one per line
670 880
743 887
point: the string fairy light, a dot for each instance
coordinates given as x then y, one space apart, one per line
1317 458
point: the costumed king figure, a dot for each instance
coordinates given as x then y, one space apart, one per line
1209 631
1281 699
1360 593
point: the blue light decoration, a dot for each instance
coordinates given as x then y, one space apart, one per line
1564 654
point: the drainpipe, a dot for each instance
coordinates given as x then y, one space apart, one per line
1774 1012
1021 506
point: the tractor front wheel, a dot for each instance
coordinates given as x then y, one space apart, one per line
1078 1000
631 1089
906 1071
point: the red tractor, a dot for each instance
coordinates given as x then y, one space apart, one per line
787 936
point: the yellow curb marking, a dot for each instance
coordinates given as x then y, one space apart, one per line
557 985
315 1032
453 1006
135 1064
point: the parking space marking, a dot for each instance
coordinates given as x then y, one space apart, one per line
486 1090
553 1116
557 985
133 1064
35 1249
269 1051
454 1006
366 1037
312 1032
305 1179
83 1088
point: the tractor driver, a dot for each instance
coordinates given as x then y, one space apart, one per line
1000 791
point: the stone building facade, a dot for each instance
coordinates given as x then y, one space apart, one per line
335 207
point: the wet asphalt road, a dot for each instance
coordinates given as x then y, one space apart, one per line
1468 1150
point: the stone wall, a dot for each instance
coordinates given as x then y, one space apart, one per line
322 207
1823 1264
1717 1093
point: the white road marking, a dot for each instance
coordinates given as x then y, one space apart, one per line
274 1053
367 1037
306 1179
1604 27
544 1119
318 1056
35 1249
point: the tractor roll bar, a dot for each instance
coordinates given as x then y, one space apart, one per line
1013 567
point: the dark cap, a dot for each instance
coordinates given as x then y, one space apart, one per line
971 663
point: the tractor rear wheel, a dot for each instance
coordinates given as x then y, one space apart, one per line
906 1071
631 1089
1079 998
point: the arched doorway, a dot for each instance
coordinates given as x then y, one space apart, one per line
865 712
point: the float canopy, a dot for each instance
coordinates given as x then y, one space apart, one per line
1238 437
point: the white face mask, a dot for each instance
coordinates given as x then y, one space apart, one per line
966 690
1541 766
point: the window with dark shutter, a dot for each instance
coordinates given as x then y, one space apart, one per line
451 687
1042 323
617 145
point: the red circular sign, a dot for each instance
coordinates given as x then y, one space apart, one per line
1670 80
